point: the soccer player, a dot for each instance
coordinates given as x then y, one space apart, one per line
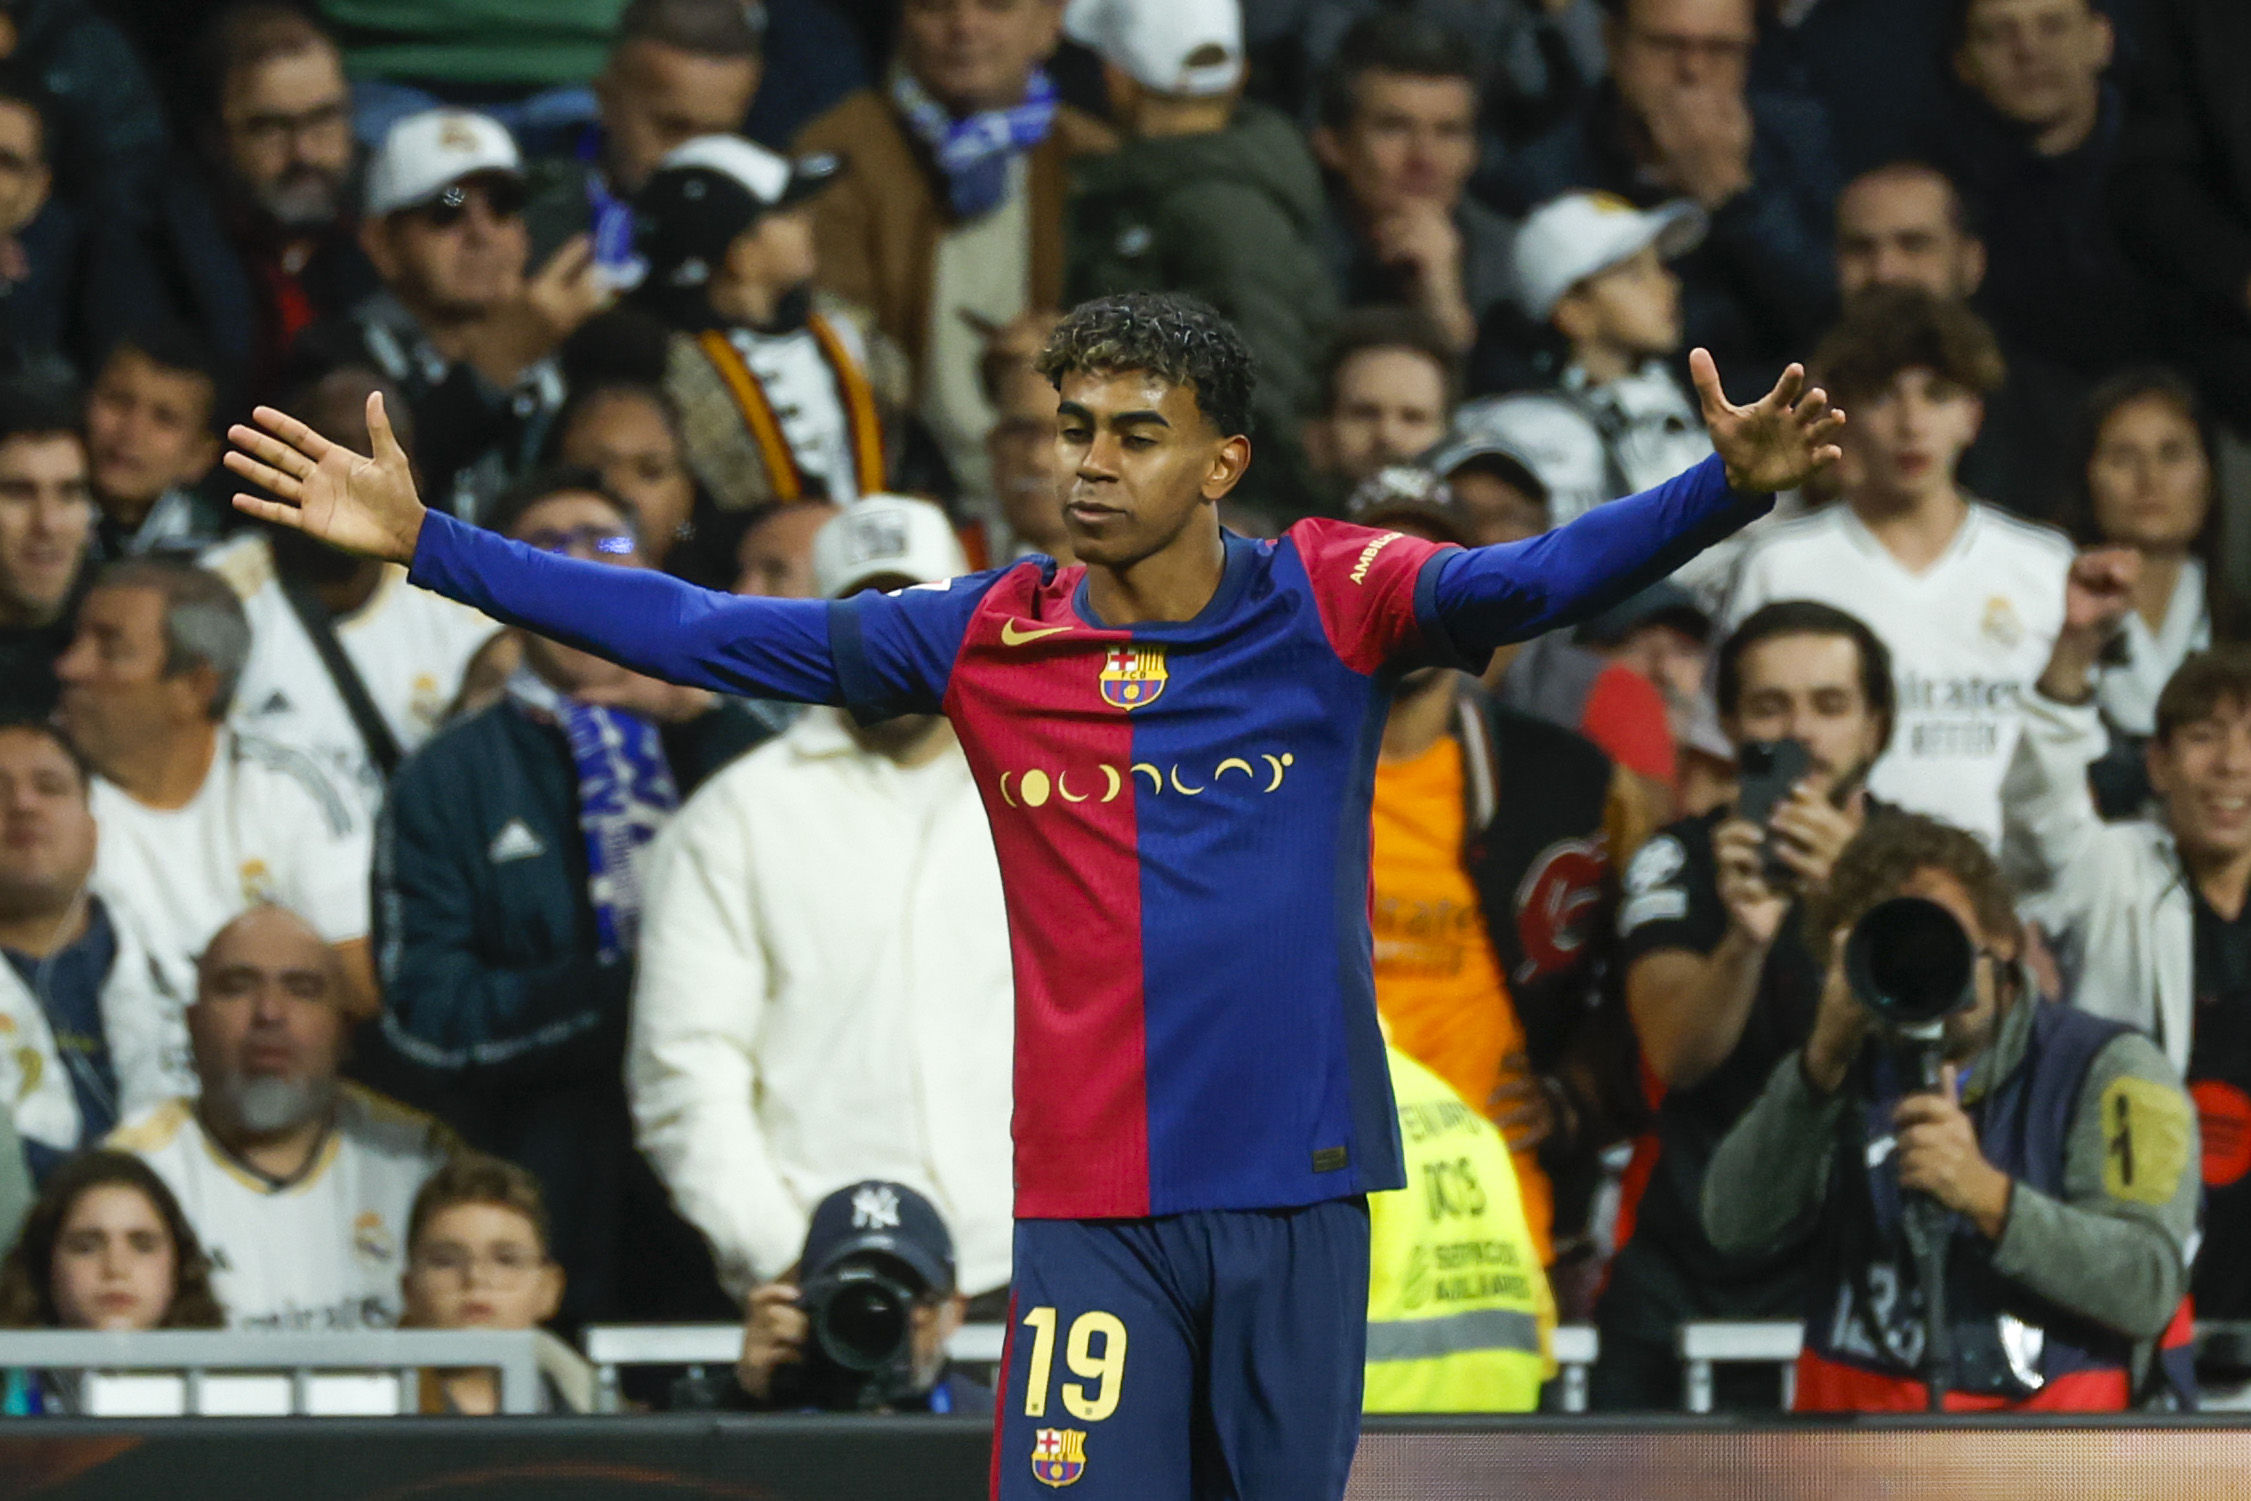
1176 742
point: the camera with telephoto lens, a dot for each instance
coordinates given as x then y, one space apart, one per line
1911 964
859 1345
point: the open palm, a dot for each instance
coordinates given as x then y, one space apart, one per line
357 502
1778 441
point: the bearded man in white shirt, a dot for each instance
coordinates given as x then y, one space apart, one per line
1968 598
200 822
825 992
298 1184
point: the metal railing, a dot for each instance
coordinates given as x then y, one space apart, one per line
367 1372
1762 1342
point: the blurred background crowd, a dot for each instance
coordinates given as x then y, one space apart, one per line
319 892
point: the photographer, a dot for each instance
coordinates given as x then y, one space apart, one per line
863 1321
1720 985
2062 1146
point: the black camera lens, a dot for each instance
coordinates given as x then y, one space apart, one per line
863 1324
1910 962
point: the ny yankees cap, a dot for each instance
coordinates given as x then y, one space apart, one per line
424 154
1568 239
885 536
887 1217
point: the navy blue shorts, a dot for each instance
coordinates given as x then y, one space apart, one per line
1214 1356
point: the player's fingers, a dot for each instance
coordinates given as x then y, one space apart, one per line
270 510
381 439
271 450
286 486
293 433
1786 389
1811 407
1706 374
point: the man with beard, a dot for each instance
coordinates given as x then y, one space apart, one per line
346 662
461 326
263 237
297 1183
778 389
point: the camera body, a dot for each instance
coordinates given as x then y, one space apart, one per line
859 1349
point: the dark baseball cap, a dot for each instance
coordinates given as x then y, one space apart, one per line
890 1218
1662 603
1454 455
710 190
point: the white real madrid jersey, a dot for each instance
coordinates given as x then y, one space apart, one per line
321 1253
267 825
1968 635
409 646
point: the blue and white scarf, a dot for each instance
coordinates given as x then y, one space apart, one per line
625 796
974 153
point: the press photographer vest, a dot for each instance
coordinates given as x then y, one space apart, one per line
2012 1349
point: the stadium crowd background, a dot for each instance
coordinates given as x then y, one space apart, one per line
448 975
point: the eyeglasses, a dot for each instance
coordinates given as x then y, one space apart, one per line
504 198
504 1266
279 127
594 542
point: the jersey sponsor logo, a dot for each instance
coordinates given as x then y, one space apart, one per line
1368 556
1058 1455
1037 786
1012 634
2223 1116
1556 905
1133 676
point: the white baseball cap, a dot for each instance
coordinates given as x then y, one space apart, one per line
885 536
424 154
1568 239
1188 48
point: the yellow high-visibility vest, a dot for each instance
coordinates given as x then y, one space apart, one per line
1459 1310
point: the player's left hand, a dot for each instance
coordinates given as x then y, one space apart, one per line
1778 441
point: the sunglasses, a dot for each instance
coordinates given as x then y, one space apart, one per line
595 542
504 198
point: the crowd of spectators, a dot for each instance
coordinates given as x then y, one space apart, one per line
369 963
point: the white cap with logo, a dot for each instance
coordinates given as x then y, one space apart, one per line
1188 48
424 154
1568 239
887 537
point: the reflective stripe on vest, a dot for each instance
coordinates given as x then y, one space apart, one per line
1453 1334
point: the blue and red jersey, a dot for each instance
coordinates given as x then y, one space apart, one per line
1181 810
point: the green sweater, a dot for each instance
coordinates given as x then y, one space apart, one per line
532 42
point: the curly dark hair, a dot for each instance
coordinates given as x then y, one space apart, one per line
1890 849
1166 334
27 1294
1886 330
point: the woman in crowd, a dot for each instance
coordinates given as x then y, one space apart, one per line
105 1247
2148 485
477 1258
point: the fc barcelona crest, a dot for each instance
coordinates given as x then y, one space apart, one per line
1058 1455
1133 676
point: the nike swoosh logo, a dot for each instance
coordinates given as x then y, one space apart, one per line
1011 634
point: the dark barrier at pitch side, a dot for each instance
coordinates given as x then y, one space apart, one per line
873 1459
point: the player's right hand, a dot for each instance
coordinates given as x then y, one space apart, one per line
359 503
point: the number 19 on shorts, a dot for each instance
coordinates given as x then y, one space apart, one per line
1094 1351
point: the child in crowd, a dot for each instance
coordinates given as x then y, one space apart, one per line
105 1247
477 1258
1592 268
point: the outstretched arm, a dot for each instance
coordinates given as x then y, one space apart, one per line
1492 595
636 616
